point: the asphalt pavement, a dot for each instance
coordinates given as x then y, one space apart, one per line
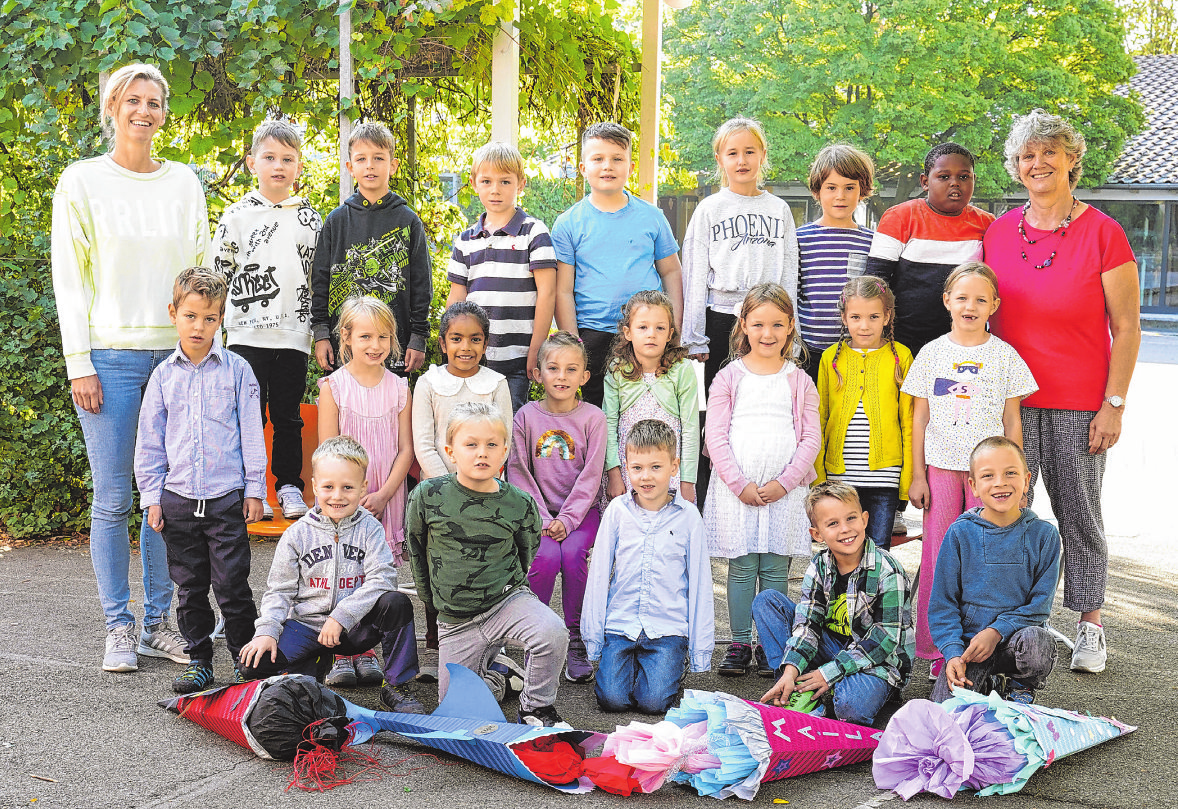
72 735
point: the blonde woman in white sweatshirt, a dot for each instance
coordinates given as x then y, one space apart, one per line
125 224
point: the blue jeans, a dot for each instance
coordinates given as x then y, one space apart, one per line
641 674
519 386
857 697
110 449
881 504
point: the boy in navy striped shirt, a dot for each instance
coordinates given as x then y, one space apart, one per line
506 264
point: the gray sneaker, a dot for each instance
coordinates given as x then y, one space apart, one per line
120 649
1091 653
291 501
267 510
162 640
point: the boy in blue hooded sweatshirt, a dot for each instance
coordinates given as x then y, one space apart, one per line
996 577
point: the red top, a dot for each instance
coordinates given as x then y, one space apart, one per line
1056 317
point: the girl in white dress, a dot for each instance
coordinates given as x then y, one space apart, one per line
762 435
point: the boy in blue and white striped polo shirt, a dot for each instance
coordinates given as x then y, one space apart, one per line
506 264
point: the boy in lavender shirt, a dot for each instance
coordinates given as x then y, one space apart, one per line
200 463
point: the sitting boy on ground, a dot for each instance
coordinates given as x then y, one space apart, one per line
306 617
996 577
853 634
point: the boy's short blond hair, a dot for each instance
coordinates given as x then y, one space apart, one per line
466 412
373 132
284 132
497 156
653 434
341 448
200 281
836 489
997 442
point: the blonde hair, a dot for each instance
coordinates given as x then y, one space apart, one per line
996 442
979 268
836 489
200 281
284 132
869 288
795 349
559 341
1039 126
730 128
653 434
373 132
341 448
466 412
847 161
375 310
621 351
116 88
497 156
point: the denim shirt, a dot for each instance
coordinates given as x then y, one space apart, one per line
650 573
200 429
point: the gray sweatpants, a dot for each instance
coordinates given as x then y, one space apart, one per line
1028 656
520 618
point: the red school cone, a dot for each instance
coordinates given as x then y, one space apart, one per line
801 743
221 710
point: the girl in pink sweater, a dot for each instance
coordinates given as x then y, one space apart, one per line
557 456
762 435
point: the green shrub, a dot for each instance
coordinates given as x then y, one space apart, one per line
44 474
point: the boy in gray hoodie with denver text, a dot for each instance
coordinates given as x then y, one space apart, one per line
332 586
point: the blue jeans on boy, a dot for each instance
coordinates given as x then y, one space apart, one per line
110 448
880 503
519 386
641 674
857 697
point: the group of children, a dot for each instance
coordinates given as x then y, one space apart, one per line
593 480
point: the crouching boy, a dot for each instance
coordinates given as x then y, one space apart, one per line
996 576
852 631
332 586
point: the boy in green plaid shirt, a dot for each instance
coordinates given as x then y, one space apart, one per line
851 635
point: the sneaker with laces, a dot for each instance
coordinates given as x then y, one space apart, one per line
342 674
197 676
120 649
399 699
291 501
802 702
162 640
542 717
577 668
737 662
368 671
935 668
762 662
511 673
267 510
899 526
1091 652
238 675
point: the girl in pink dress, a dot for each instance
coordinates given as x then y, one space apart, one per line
365 400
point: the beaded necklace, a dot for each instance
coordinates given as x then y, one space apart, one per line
1062 230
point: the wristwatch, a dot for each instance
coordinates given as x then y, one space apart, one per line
1115 401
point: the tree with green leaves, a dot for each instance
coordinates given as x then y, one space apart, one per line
1152 27
422 66
895 77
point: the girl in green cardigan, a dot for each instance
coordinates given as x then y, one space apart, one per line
649 377
866 420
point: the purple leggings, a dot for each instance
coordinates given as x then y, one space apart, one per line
950 497
570 558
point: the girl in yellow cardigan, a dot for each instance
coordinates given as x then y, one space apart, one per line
866 420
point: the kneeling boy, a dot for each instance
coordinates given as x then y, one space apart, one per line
471 539
332 587
648 600
852 632
997 571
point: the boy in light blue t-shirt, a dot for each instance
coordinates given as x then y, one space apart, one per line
609 246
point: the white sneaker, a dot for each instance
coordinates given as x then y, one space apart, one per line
164 641
120 649
1091 653
291 501
899 526
267 510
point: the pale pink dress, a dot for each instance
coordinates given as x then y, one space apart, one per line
370 415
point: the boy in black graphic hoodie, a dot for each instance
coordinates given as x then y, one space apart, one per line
372 244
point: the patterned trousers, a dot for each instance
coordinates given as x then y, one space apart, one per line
1056 443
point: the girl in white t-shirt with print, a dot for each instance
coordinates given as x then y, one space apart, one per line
966 386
